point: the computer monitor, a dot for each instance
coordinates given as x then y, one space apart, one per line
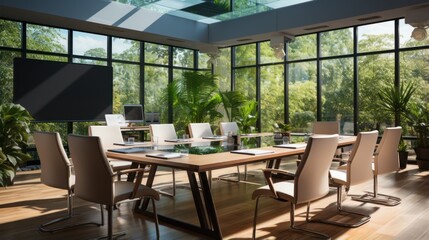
133 113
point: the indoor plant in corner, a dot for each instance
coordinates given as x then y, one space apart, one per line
14 133
419 117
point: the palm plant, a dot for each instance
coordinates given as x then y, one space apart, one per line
14 133
247 116
232 102
395 99
195 97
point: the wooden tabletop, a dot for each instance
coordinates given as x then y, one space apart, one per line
201 163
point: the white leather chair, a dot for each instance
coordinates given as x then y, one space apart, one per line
159 133
199 130
357 170
109 135
311 180
386 160
326 127
226 127
56 172
95 179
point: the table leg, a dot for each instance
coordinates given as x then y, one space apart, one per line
209 203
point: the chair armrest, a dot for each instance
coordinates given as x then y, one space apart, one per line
137 183
268 172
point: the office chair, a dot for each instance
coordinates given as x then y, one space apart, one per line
56 172
357 170
386 160
95 179
108 136
311 180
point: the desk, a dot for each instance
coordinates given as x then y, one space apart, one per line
200 165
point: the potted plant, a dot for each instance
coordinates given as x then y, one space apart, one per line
419 117
395 100
403 154
14 133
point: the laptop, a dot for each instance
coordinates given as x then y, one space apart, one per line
115 120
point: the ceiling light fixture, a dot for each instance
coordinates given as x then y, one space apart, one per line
419 33
277 43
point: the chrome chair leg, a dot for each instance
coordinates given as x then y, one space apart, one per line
45 227
305 231
378 198
254 218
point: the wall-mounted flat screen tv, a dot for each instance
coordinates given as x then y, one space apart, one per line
58 91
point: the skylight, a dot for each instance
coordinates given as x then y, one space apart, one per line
211 11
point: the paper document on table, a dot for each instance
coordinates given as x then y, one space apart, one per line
178 140
164 155
252 151
292 145
132 144
131 150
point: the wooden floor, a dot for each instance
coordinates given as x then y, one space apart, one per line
27 204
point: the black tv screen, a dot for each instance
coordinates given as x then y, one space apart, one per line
133 113
58 91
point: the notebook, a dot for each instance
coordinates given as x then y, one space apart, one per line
164 155
178 140
292 145
131 150
132 144
252 151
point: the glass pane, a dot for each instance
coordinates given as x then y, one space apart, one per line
125 49
10 34
47 57
245 82
89 61
303 47
223 69
267 53
126 85
337 93
156 80
81 128
302 95
338 42
183 57
272 96
375 72
245 55
6 73
204 61
406 40
414 68
179 116
155 53
47 39
376 37
88 44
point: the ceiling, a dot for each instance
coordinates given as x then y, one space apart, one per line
195 24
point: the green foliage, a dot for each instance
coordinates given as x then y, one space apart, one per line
195 97
14 133
283 127
395 99
232 101
301 120
247 116
418 115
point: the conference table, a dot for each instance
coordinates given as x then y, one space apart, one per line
201 165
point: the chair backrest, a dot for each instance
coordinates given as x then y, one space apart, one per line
55 165
386 158
198 130
359 167
108 135
162 132
226 127
94 176
312 175
329 127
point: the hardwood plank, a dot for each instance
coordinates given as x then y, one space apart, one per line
27 204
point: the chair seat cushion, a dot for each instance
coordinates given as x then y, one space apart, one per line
285 191
338 176
123 191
